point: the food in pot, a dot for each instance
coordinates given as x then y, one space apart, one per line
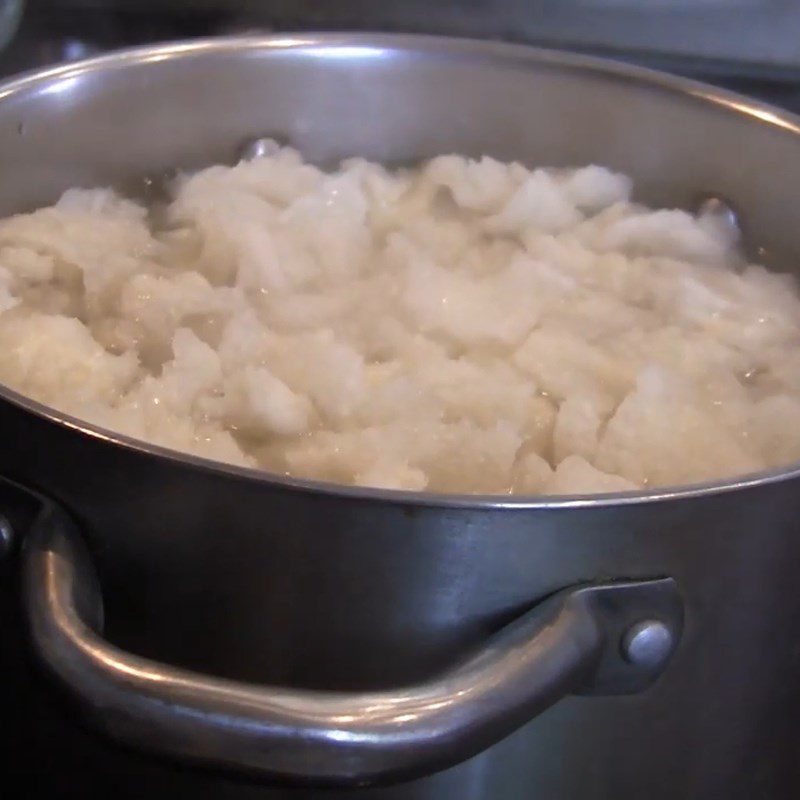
466 326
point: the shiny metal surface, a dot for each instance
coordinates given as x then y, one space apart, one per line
648 644
721 210
6 537
569 642
284 583
257 148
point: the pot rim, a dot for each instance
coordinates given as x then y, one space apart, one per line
361 45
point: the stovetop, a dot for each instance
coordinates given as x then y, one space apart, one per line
53 32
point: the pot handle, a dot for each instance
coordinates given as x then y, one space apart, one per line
603 639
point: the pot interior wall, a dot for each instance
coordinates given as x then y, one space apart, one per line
397 100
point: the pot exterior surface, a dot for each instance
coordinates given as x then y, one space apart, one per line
245 578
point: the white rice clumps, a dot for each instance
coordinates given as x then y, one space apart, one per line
468 326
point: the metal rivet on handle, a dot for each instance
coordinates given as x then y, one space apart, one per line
6 537
647 644
259 148
721 210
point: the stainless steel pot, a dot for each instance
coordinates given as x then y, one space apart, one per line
305 634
